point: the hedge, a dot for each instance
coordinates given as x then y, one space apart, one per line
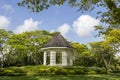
51 70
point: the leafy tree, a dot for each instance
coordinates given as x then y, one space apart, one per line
83 56
113 39
110 15
4 37
25 48
104 53
36 40
16 50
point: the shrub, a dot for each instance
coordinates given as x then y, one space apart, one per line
79 71
61 71
51 70
19 72
41 72
85 70
12 71
71 71
98 70
76 70
91 72
116 69
2 71
9 72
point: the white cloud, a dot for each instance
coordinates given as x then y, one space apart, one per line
4 22
64 29
29 25
84 25
8 8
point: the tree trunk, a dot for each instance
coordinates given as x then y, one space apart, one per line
106 66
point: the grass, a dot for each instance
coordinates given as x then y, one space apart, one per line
64 77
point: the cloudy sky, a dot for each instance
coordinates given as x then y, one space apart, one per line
73 25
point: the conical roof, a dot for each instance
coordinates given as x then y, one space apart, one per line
58 41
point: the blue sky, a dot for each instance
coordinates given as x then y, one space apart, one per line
73 25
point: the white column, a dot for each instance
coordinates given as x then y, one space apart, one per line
71 61
44 59
52 58
64 58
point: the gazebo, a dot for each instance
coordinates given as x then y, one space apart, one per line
58 52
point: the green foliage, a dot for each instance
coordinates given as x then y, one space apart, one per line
49 70
104 53
8 72
4 37
38 5
99 70
113 39
115 69
24 49
13 71
61 71
83 57
85 70
45 70
2 72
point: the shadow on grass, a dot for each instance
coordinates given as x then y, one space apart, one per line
64 77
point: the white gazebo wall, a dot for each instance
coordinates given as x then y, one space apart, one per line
52 58
71 60
64 58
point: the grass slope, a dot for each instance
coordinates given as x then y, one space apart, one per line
63 77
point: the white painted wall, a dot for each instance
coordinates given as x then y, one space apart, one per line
52 58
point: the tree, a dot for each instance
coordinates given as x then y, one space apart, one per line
35 41
24 48
109 16
104 53
4 37
113 39
83 56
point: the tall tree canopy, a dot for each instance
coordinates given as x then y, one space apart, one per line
4 37
113 39
82 55
106 50
22 49
104 53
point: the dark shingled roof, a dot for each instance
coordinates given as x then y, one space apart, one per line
58 41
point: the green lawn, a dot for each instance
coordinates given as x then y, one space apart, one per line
70 77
